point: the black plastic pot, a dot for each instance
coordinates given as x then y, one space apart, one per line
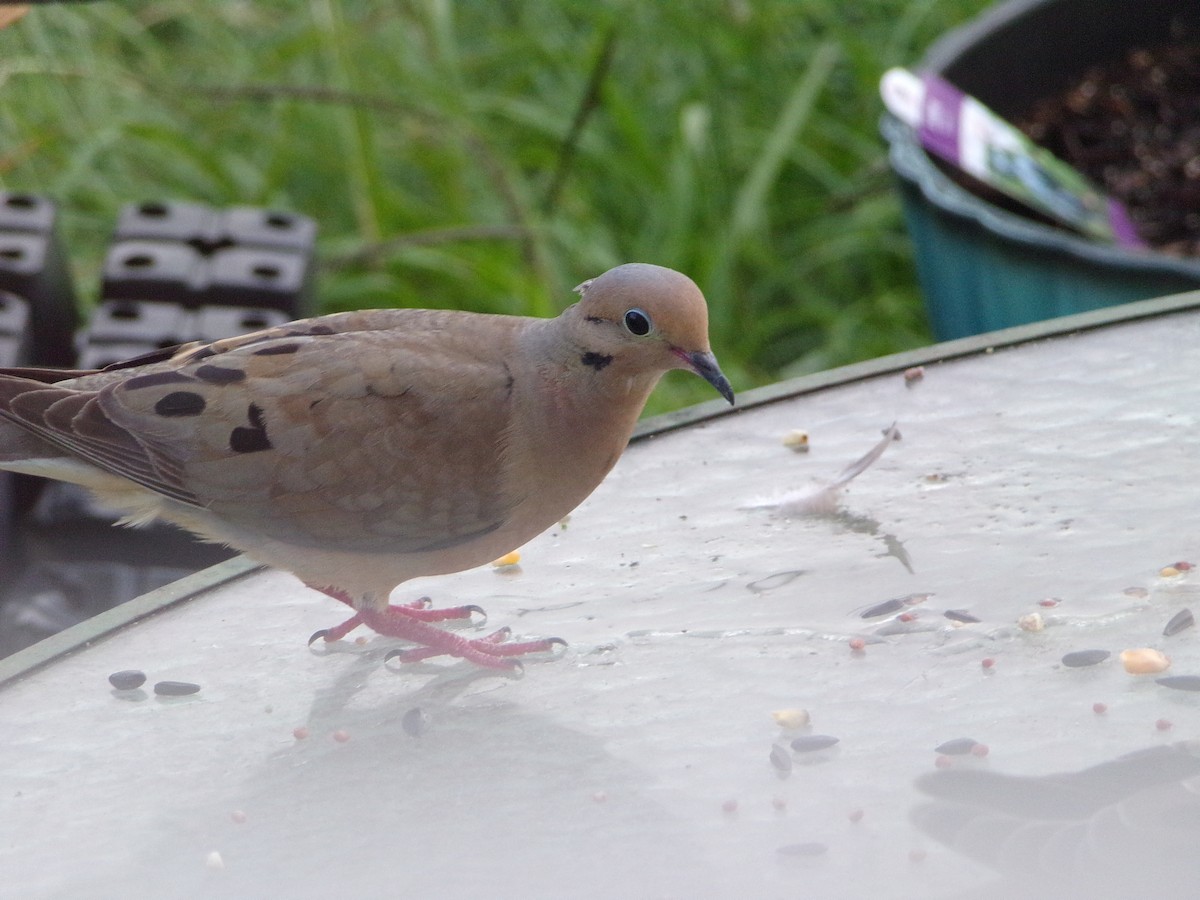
983 267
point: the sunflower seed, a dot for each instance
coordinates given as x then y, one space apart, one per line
882 609
1080 658
127 679
809 742
175 688
960 615
1180 682
1178 622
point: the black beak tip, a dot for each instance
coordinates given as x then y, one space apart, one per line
705 365
724 388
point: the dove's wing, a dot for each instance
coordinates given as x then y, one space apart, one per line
388 433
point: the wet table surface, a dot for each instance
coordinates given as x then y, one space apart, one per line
1054 476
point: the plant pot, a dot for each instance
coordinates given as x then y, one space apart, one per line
984 267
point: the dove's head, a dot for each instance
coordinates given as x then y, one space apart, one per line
650 319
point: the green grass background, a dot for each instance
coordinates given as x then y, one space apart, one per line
491 155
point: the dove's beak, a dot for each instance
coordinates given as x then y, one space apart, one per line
705 365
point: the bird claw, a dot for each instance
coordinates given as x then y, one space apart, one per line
409 655
329 642
338 631
490 651
555 648
423 611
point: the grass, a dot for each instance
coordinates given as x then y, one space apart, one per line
490 156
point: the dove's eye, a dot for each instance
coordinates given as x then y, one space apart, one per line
637 322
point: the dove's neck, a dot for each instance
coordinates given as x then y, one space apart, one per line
586 383
577 417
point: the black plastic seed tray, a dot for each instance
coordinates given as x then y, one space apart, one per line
253 226
208 229
15 345
196 255
212 323
153 324
33 265
250 276
158 220
14 329
154 270
27 212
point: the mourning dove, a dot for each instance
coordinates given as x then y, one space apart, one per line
362 449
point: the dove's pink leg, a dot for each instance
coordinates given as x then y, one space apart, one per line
410 622
418 609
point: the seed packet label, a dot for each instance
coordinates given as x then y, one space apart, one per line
964 132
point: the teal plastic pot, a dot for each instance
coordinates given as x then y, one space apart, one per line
982 267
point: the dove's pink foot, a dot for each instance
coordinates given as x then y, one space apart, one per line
490 651
492 647
409 622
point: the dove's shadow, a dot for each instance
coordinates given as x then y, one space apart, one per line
487 797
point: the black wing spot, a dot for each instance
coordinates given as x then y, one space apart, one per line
248 440
597 361
180 403
219 375
254 438
304 331
154 379
255 414
277 350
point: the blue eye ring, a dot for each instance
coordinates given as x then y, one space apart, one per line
637 322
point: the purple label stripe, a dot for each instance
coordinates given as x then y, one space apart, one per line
1122 226
940 113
